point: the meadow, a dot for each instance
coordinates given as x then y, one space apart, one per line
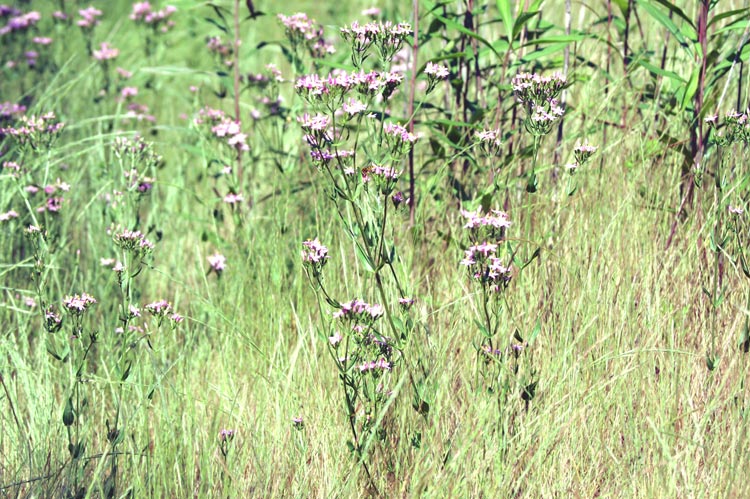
465 249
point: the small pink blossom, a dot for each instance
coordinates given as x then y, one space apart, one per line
4 217
217 261
128 92
89 17
233 198
106 52
77 304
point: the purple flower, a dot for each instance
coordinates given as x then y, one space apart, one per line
436 71
335 339
583 152
159 308
495 218
78 304
134 242
226 435
358 312
106 52
736 210
406 303
4 217
89 17
314 252
217 262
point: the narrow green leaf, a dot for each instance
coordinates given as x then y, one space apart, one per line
482 329
535 332
557 47
692 87
366 260
661 72
506 15
725 15
459 27
557 39
665 21
623 5
676 10
216 23
521 21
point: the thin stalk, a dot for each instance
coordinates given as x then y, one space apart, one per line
412 89
236 78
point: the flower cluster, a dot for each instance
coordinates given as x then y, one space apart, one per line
323 156
53 202
492 354
221 49
106 52
52 320
18 21
380 364
133 242
316 129
314 257
225 435
486 267
353 107
387 37
89 17
490 226
582 154
435 73
398 138
36 131
217 263
359 312
138 182
223 127
8 215
536 89
538 95
481 258
233 198
303 31
157 19
489 141
384 177
139 112
163 309
136 152
735 210
330 91
78 304
736 128
10 110
369 351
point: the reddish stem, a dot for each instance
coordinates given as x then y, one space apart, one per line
412 89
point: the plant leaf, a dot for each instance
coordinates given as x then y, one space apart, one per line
506 15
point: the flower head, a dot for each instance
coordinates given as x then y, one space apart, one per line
78 304
106 52
89 17
217 262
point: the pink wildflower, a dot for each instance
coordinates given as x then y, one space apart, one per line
106 52
217 261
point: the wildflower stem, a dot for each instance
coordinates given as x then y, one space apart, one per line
412 89
236 77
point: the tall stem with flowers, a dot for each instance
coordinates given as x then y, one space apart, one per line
729 225
360 154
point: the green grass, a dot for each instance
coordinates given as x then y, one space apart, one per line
624 407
